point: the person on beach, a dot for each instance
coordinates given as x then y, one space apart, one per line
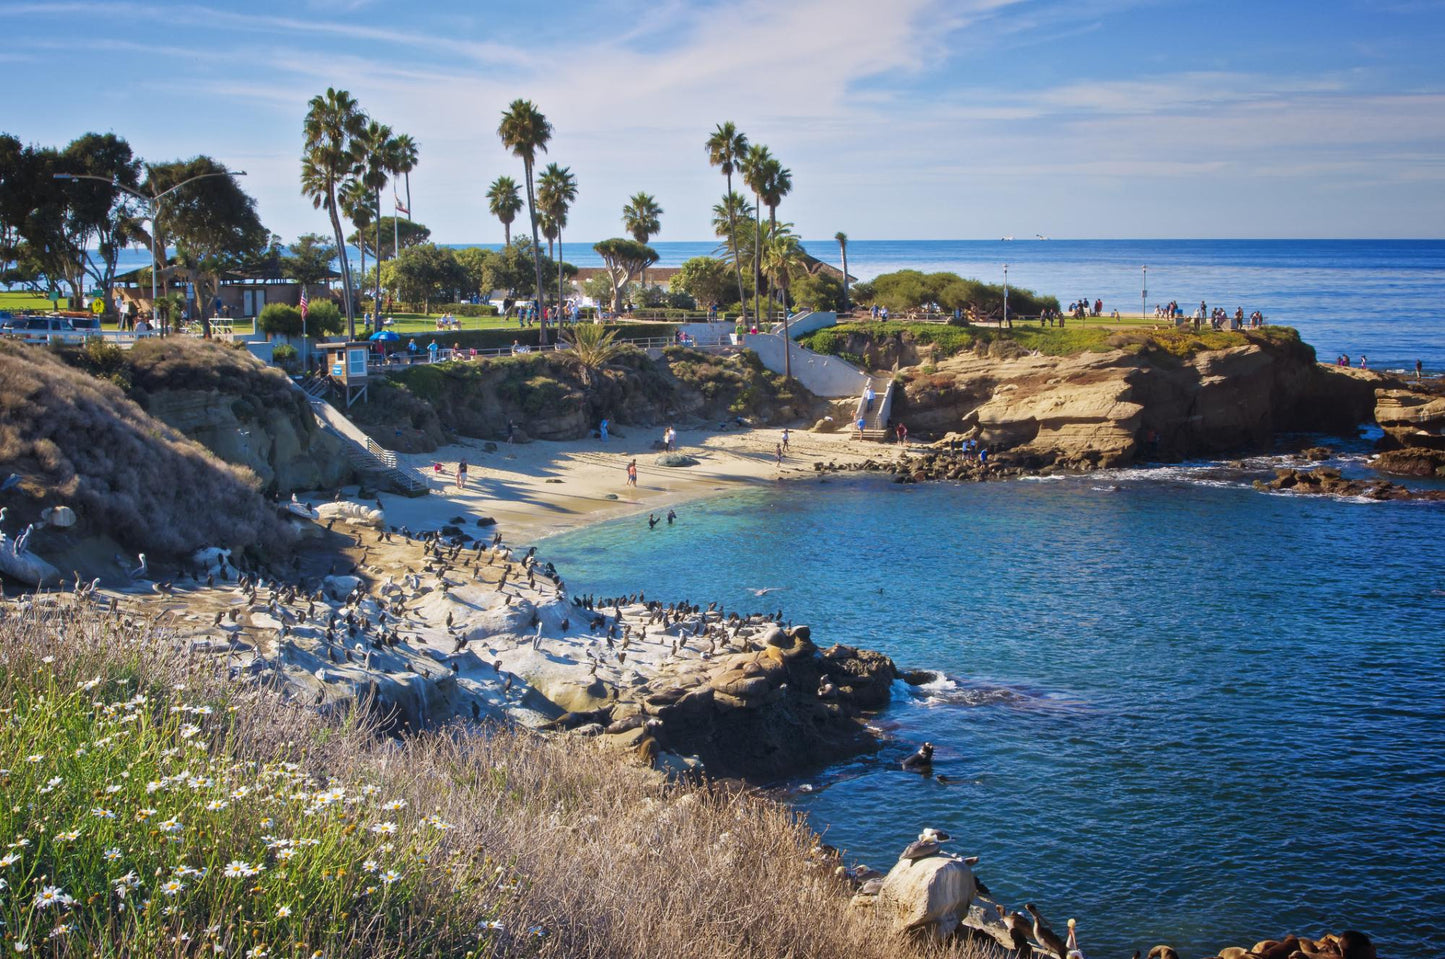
511 432
868 397
902 435
671 516
632 474
652 520
785 429
1363 363
462 475
779 453
602 429
436 471
1419 370
859 425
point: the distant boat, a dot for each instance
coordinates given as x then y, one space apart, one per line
1005 239
1040 236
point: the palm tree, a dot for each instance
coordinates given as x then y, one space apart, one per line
777 183
641 218
406 153
726 149
524 131
782 257
504 202
725 217
378 159
556 192
333 121
356 204
591 346
842 239
755 174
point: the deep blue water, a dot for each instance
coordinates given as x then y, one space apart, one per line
1382 298
1176 708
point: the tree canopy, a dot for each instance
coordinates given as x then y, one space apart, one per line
624 259
706 279
406 232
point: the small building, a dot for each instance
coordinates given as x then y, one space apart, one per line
345 365
241 294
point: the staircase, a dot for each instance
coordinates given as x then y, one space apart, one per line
373 461
875 421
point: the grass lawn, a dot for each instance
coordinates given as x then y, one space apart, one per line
20 300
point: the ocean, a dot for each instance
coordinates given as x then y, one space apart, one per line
1169 705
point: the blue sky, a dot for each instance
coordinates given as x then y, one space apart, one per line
898 118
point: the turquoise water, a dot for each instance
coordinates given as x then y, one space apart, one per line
1173 707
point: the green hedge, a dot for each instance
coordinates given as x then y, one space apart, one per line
500 339
466 309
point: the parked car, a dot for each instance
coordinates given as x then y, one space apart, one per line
89 325
36 329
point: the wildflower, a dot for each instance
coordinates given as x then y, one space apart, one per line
283 911
34 757
394 805
63 929
171 826
370 865
189 730
390 876
267 822
9 859
70 835
257 952
100 813
494 925
285 853
51 783
369 790
112 854
172 887
21 946
154 786
235 869
112 789
143 815
383 828
216 805
52 896
90 684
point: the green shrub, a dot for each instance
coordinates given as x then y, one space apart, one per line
284 355
323 318
280 318
466 309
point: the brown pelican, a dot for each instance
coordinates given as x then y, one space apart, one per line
1043 935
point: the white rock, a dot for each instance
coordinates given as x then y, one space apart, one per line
62 517
27 567
339 587
346 511
930 894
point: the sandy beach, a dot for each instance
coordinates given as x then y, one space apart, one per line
541 488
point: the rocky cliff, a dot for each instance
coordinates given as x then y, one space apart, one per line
548 396
1115 405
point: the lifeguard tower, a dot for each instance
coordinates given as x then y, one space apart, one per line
346 366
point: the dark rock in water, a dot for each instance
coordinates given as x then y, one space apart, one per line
1411 461
486 521
1317 454
489 447
917 677
1327 481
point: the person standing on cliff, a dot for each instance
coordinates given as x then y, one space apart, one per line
1419 370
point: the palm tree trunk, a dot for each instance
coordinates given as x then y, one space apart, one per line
345 265
787 340
757 258
408 196
733 239
376 303
559 277
362 247
507 232
536 255
845 279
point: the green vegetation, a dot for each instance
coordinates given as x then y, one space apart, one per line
847 340
905 290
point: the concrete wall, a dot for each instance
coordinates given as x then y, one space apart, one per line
822 375
805 323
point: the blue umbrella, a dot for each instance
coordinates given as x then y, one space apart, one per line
385 336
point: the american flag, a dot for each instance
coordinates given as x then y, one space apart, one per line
396 200
305 305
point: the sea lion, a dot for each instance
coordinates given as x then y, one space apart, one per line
921 761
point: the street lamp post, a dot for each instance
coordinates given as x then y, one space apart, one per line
1005 297
153 205
1144 297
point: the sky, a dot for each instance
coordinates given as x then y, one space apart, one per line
899 119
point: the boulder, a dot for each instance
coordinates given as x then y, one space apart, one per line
929 895
1410 416
676 460
26 567
61 517
339 587
356 514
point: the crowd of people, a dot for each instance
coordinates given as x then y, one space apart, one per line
1219 318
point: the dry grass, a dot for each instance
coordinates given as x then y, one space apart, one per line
571 854
78 440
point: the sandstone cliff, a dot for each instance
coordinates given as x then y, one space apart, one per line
1113 406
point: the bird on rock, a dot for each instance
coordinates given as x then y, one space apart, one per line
1043 935
928 843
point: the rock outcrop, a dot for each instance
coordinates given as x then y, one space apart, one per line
1327 481
1102 409
1412 415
